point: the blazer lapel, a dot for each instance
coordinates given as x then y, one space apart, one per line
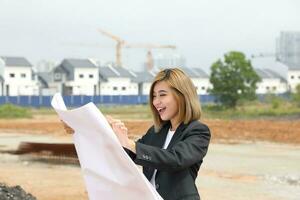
160 137
177 134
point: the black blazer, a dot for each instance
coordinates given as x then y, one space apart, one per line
178 165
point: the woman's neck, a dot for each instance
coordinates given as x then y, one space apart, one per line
174 125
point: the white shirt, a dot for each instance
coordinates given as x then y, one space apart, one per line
166 144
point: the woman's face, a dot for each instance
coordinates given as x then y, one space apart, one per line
164 101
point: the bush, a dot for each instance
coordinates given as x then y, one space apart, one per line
274 101
12 111
296 96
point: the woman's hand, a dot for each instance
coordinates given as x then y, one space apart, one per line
67 128
121 132
119 129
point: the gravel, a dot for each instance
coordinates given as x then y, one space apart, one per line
14 193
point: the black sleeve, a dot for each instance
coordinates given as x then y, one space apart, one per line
131 154
183 154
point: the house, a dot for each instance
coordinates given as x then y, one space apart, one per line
144 80
74 77
1 85
198 76
271 82
47 87
117 81
17 77
293 78
200 79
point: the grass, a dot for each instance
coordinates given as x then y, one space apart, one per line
8 111
246 110
127 112
252 110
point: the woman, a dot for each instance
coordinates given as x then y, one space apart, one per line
172 150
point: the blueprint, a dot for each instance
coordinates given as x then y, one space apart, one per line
108 172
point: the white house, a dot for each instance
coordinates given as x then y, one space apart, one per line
117 81
144 80
1 85
199 78
72 77
18 77
271 82
293 78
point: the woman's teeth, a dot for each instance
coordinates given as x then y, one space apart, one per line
161 110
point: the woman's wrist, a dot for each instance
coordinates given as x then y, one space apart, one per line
131 145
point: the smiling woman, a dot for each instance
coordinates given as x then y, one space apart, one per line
172 150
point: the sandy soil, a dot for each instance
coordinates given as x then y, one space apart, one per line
64 182
222 130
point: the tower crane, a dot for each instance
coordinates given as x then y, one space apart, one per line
149 47
263 55
119 45
123 44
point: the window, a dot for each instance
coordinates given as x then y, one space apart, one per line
298 77
274 88
202 88
115 88
81 76
57 76
267 87
11 75
91 76
123 88
23 75
292 77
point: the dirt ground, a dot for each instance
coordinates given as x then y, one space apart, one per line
282 131
44 181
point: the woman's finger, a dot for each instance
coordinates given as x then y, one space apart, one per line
109 119
67 128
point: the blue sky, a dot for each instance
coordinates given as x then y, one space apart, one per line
202 30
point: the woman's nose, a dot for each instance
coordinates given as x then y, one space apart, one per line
156 101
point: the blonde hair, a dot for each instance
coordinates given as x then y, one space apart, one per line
185 94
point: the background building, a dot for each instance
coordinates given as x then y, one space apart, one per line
271 82
17 77
288 48
168 60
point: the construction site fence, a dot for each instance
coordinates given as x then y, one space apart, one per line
79 100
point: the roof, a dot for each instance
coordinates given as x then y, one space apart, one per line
296 68
44 78
115 72
16 61
268 74
192 72
188 71
68 65
144 77
78 63
201 73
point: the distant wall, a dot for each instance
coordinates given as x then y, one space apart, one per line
79 100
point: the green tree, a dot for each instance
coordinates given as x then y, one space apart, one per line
296 96
233 79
